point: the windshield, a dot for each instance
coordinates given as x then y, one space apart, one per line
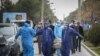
19 24
7 31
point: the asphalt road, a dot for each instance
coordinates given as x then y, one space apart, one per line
83 53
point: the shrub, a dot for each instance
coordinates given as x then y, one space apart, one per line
94 34
86 34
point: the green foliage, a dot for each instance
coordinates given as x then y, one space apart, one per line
96 49
33 9
86 34
8 7
89 11
94 34
72 16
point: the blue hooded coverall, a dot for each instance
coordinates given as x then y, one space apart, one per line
47 40
66 40
27 34
58 34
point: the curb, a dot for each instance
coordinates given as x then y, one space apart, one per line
89 50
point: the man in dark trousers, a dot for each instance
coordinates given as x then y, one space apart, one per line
74 40
80 30
39 38
52 27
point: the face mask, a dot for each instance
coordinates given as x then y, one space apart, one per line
45 25
58 24
65 25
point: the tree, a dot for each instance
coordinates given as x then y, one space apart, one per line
72 16
8 6
94 34
33 9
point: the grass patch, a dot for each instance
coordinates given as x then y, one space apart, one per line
95 49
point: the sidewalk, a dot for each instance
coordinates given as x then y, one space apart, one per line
83 53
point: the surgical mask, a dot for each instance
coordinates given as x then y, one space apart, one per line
58 24
45 25
65 25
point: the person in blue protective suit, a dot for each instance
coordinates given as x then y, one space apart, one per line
27 33
47 39
58 34
67 34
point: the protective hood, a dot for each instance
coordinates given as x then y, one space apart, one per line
26 25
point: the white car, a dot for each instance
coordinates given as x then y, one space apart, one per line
7 37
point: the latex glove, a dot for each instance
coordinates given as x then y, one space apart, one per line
76 37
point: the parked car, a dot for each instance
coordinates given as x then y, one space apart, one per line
8 47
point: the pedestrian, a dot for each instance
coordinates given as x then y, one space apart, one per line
86 26
74 40
39 27
52 27
67 34
80 30
47 39
27 34
58 34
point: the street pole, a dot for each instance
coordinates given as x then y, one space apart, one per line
1 11
79 5
80 11
80 19
0 4
42 12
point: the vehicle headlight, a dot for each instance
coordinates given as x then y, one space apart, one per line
11 42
